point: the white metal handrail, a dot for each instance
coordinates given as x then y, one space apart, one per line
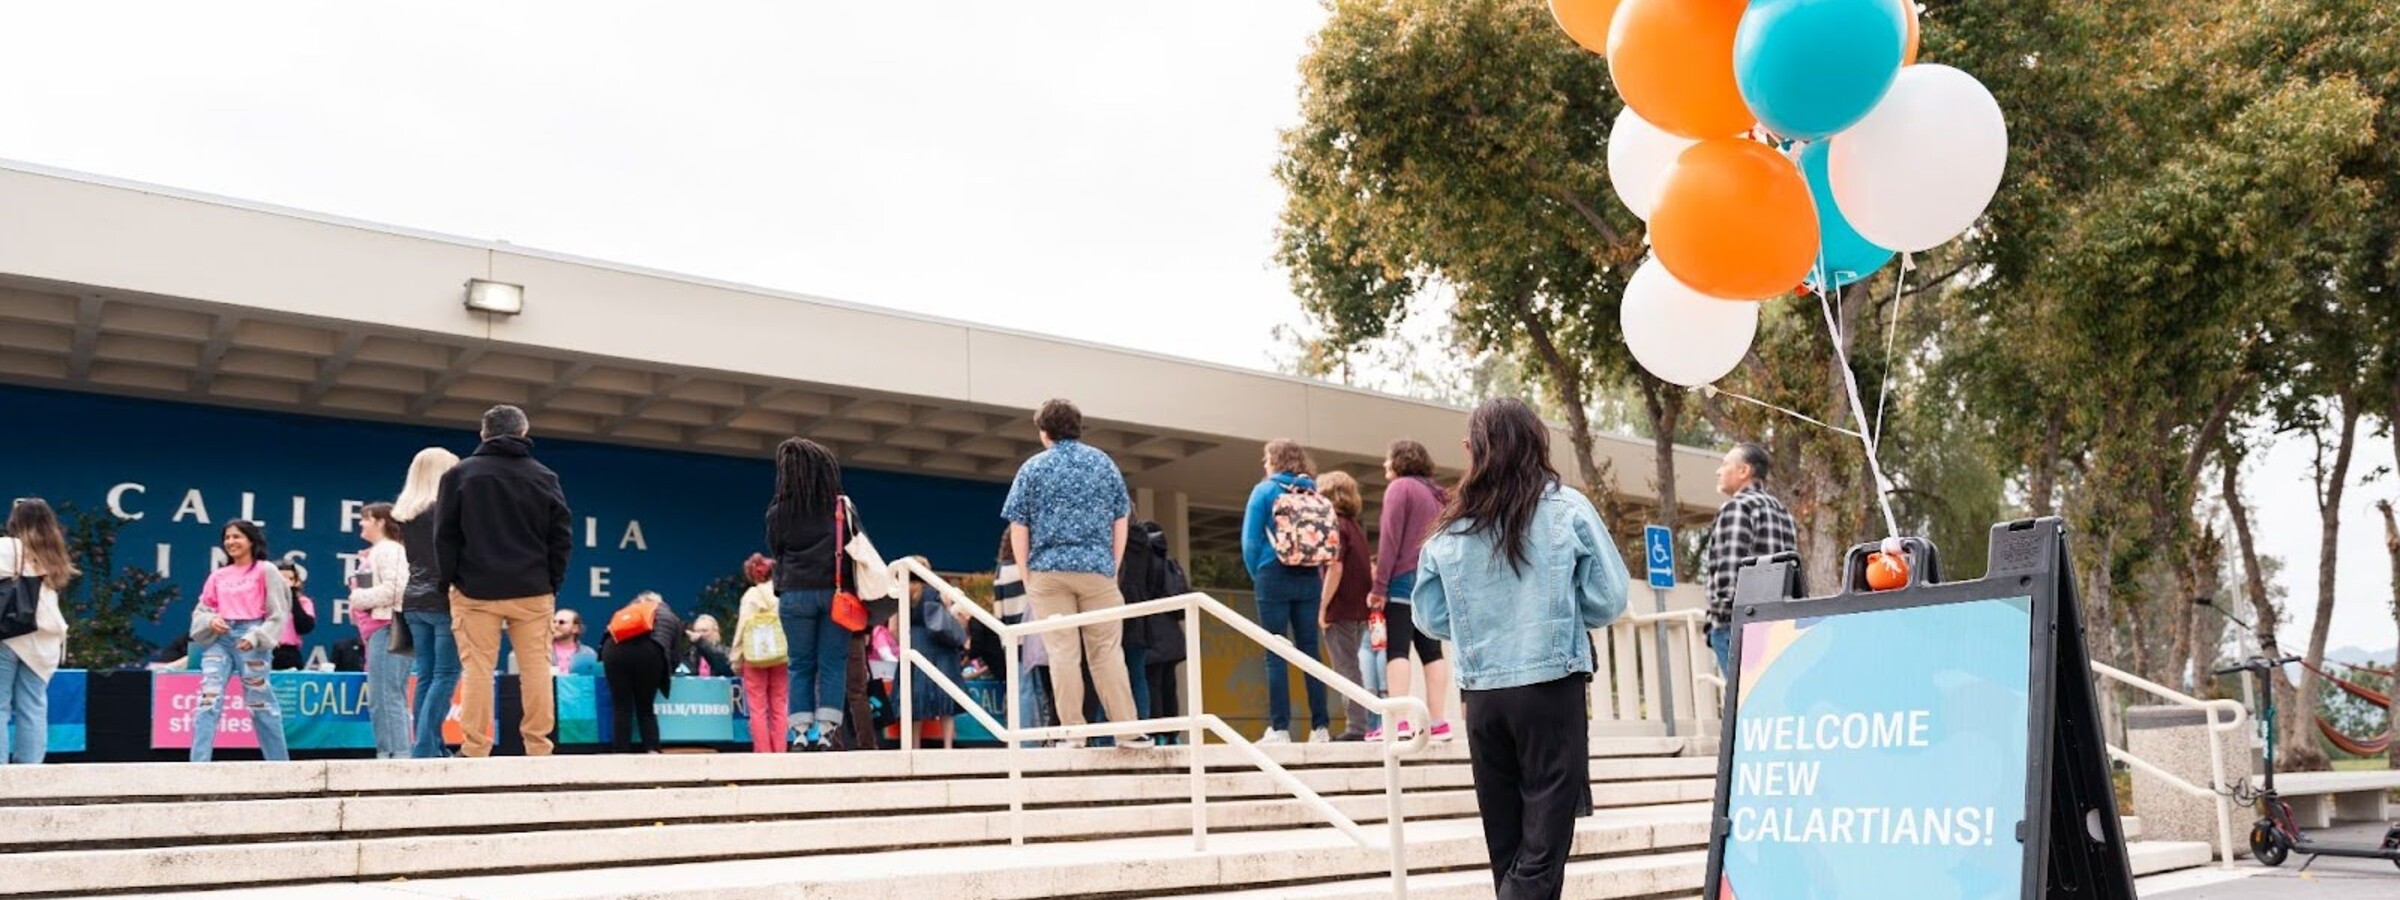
2219 789
1194 723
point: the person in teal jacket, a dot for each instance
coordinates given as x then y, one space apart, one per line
1518 571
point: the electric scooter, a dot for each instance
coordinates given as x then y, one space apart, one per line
2276 835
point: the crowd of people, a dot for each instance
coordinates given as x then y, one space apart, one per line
1509 567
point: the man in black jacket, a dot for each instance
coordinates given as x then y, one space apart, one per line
502 541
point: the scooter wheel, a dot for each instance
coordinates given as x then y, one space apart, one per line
2266 846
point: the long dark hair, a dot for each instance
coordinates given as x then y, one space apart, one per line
806 477
250 530
1508 470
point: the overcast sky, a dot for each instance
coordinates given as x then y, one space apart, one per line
1098 169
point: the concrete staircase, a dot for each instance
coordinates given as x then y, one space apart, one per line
1099 823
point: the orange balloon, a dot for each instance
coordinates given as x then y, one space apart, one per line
1908 53
1586 21
1886 571
1734 220
1672 61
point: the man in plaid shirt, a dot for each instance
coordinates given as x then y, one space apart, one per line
1751 524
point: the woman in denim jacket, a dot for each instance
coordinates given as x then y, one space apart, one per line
1517 573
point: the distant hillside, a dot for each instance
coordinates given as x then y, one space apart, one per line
2358 656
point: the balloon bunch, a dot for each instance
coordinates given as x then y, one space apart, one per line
1773 146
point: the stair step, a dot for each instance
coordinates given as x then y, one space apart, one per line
1644 875
1144 866
2153 857
1621 758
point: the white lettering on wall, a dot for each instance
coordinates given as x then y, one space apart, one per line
591 532
599 582
299 561
192 506
633 536
350 510
299 512
249 507
165 552
116 500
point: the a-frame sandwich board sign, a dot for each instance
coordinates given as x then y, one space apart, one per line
1939 741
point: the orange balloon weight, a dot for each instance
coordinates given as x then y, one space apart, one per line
1908 51
1734 221
1586 21
1886 571
1672 61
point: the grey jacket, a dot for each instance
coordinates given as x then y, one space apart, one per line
268 633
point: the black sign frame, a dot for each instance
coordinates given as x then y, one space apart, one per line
2073 840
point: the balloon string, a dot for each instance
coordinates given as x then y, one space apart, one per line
1714 391
1883 391
1858 410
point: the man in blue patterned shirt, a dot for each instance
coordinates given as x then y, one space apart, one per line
1067 513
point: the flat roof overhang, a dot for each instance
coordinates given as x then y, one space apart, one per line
131 289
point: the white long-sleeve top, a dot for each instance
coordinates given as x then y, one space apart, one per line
47 644
372 606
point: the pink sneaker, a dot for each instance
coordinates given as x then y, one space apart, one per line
1377 734
1441 730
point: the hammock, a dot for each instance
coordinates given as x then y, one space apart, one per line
2374 746
2353 688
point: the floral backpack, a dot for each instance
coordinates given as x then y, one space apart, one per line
1306 533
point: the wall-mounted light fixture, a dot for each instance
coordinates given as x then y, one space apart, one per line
495 296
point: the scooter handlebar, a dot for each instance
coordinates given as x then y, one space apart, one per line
2258 664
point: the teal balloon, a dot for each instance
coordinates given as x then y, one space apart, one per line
1810 68
1841 251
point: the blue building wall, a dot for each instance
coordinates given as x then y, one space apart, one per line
645 519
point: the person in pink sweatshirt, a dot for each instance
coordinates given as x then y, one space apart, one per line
1411 504
235 628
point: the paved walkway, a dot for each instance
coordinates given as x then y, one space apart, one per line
2329 879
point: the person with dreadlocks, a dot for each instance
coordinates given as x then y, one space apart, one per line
808 524
1518 571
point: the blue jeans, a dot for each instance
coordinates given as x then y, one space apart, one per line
1721 640
219 657
387 694
1287 605
24 708
1137 659
437 680
820 649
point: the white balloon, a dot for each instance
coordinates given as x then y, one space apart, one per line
1679 334
1639 155
1918 170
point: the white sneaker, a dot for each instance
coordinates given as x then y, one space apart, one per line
1320 736
1067 744
1136 742
1275 736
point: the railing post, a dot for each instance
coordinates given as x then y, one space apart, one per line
908 710
1195 739
1016 763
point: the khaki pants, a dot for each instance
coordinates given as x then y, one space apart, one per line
478 625
1067 593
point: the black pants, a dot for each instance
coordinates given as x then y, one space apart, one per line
1164 701
1531 754
859 732
636 670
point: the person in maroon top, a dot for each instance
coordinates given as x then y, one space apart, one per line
1411 503
1343 613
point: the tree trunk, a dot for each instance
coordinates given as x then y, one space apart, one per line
2306 750
2391 547
1665 406
2265 617
1567 379
2043 484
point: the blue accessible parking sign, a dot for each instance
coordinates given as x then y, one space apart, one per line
1658 547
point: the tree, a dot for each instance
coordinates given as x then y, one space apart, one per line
106 603
2391 547
1458 146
